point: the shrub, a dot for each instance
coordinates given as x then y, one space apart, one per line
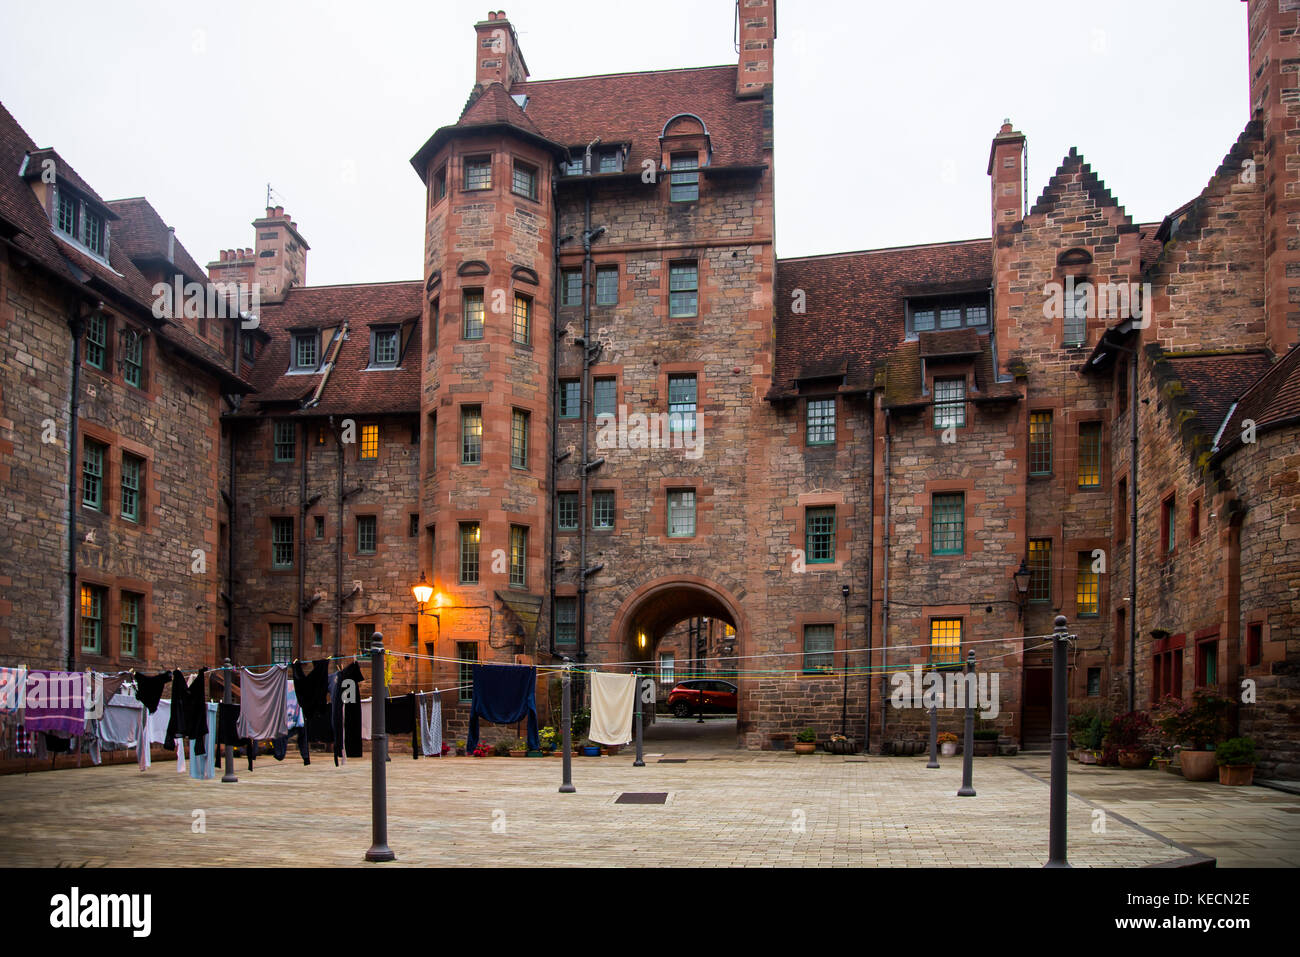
1236 752
1132 731
1197 726
947 737
806 736
502 749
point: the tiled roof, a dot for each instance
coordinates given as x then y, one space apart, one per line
1274 398
62 171
494 106
350 388
855 309
949 342
144 236
1211 383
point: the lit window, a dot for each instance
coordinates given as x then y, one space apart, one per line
519 439
286 441
281 643
518 556
1040 443
305 350
370 441
132 469
949 403
471 435
384 347
568 511
478 172
948 524
681 403
1090 455
821 421
683 290
605 397
818 649
92 619
571 287
366 534
96 340
570 398
523 317
945 641
566 620
129 625
1087 589
684 187
92 474
469 539
473 325
819 535
681 513
607 286
602 509
1040 569
281 543
524 180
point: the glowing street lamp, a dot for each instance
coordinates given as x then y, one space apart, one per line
422 590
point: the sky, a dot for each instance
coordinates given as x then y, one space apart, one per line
884 111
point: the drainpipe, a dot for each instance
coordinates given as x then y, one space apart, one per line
338 550
584 405
302 535
1133 534
884 606
552 530
77 324
866 618
231 538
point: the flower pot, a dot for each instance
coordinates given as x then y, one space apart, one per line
1197 765
1087 757
948 748
1236 775
1133 760
1162 764
986 747
612 749
535 754
591 752
518 753
847 746
805 747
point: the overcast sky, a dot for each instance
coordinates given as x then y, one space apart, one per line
884 111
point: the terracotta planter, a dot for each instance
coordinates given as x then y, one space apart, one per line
804 747
1133 760
1197 765
1236 775
519 754
1162 764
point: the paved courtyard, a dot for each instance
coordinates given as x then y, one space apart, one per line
723 808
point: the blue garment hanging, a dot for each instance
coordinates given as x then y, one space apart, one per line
504 694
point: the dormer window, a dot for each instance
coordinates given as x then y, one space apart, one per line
384 347
937 315
609 161
305 351
684 187
76 220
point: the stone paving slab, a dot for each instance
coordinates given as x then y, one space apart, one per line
740 809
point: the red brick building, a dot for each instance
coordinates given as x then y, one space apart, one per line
606 409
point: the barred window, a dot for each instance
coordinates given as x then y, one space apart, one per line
469 540
819 534
681 513
478 172
92 619
1087 589
1040 569
948 524
366 534
818 649
683 290
370 441
684 187
518 556
681 403
1090 455
605 396
602 509
570 398
471 434
281 543
568 511
945 641
133 358
571 287
132 469
286 441
473 325
129 625
281 643
607 286
821 421
96 340
1040 443
949 403
566 620
524 180
519 439
92 474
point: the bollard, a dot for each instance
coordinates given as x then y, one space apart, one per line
379 850
640 756
968 756
229 776
934 738
1056 813
566 758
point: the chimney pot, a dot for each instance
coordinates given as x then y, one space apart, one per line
223 255
270 211
279 210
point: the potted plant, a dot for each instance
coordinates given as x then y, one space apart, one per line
590 748
482 750
1129 738
518 748
986 741
947 743
1161 761
1236 760
610 750
1080 730
841 744
460 749
1197 727
547 738
805 742
501 749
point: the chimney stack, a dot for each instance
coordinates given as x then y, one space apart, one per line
1006 165
757 32
497 58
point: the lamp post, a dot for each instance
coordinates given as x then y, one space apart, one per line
844 699
379 849
967 789
1056 827
566 787
1021 577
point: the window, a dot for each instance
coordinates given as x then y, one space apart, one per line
413 525
1168 526
1040 569
683 290
281 643
469 539
574 165
281 543
93 231
518 556
370 441
471 434
667 667
65 219
366 533
1254 643
1094 682
818 649
681 403
246 346
435 313
1121 510
568 511
383 347
681 513
523 180
466 656
819 534
566 620
478 172
570 398
1040 443
523 319
472 327
607 286
305 350
1076 314
319 526
948 523
518 439
132 472
945 641
821 421
96 340
571 287
413 633
1194 522
439 188
1087 587
1207 664
365 634
286 440
605 396
950 317
929 315
129 625
602 509
684 187
610 161
92 619
317 634
949 403
92 474
1090 455
133 358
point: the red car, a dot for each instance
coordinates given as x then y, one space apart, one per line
702 696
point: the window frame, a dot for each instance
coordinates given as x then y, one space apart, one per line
1035 445
473 319
950 404
1040 571
684 177
133 358
611 383
683 504
519 426
567 287
604 272
968 305
810 662
299 339
817 424
678 411
518 570
97 474
464 557
98 603
675 308
1089 455
279 442
96 346
472 165
952 498
945 654
285 631
532 179
819 541
370 522
282 542
604 496
524 337
564 398
128 617
136 488
562 624
466 658
375 335
1087 587
368 447
568 503
471 452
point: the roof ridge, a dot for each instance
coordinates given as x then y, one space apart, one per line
602 76
345 285
882 249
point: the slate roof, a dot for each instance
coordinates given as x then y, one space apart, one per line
144 236
1273 399
1211 383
